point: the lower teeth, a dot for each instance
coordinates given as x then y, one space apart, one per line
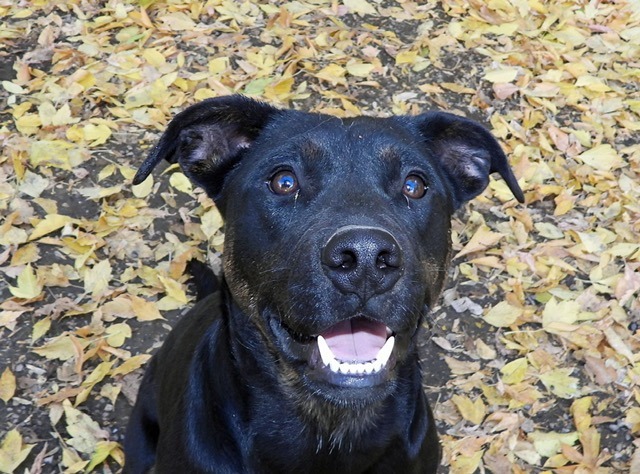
355 368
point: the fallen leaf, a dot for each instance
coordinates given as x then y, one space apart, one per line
362 7
85 433
503 315
472 411
482 239
561 383
28 285
7 385
13 451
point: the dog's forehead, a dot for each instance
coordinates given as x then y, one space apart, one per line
352 128
315 135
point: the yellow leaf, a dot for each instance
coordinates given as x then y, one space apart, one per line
178 21
467 464
550 443
565 312
50 153
63 116
7 385
458 88
13 452
332 73
515 371
180 182
12 88
580 411
28 124
279 89
60 347
633 419
560 382
33 184
98 374
211 222
144 310
481 240
361 7
602 157
548 230
167 303
28 285
85 433
473 411
103 450
50 223
406 57
96 279
96 134
143 189
618 344
40 328
359 69
218 65
117 334
72 461
131 364
154 57
503 315
46 111
501 75
173 289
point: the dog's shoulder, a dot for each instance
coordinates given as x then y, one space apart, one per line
202 320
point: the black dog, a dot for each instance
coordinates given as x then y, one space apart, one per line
337 245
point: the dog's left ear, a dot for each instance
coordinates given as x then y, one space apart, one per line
208 138
468 152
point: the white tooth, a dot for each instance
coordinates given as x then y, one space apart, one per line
344 368
334 365
325 352
377 366
368 368
385 352
359 369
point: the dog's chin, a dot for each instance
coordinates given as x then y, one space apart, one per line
350 362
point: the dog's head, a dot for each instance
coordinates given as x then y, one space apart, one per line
337 230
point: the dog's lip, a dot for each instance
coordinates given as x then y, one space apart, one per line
356 352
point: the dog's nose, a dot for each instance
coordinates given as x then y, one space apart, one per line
362 260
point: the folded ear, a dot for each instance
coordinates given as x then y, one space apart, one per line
207 138
468 153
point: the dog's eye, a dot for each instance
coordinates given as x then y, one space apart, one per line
414 187
284 182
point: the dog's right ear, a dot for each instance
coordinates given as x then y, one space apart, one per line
207 139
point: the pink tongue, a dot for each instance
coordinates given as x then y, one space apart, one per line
356 340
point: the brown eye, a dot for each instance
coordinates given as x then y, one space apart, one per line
284 182
414 187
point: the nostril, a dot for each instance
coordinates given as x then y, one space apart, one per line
382 262
349 260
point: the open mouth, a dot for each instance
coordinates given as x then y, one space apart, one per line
356 352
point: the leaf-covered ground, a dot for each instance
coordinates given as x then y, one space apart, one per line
533 364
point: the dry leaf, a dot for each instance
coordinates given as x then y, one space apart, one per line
13 452
7 385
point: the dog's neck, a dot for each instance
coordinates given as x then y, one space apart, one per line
331 426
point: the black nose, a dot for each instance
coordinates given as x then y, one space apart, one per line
362 260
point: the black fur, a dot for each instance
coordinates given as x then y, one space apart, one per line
357 233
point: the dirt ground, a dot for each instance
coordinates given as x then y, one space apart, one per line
531 362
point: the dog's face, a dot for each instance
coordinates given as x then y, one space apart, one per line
337 240
337 231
